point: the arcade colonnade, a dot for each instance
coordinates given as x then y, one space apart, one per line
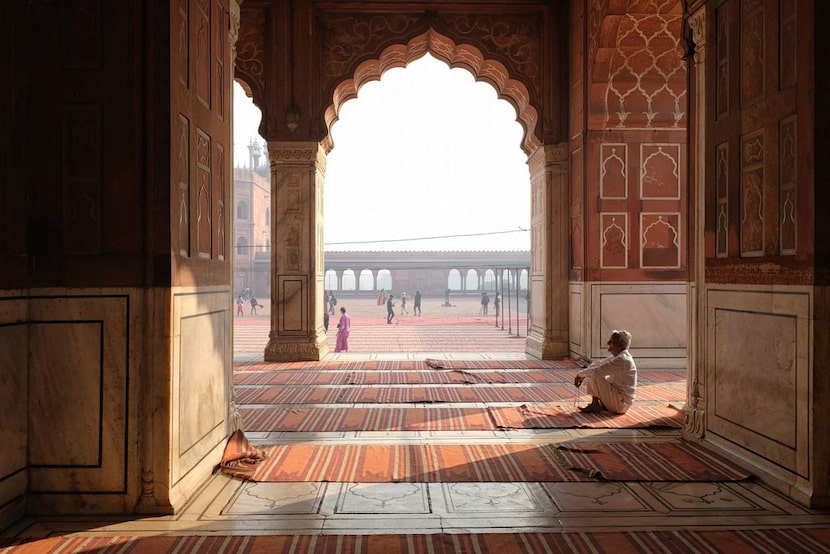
672 152
431 273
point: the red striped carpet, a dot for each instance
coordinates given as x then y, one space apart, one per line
407 463
665 461
274 394
677 461
431 376
814 540
528 416
402 394
330 419
410 365
366 419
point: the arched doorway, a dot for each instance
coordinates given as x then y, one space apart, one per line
300 173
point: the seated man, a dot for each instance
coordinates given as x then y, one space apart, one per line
612 381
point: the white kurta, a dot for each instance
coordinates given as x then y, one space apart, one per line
613 380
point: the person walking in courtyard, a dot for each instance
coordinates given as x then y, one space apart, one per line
390 311
254 305
404 311
332 302
240 306
485 301
326 320
416 306
611 382
343 328
447 298
497 303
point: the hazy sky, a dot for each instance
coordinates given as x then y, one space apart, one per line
424 152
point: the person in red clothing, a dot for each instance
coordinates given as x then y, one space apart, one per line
343 329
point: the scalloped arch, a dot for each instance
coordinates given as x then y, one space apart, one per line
456 56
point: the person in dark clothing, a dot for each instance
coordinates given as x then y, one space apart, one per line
416 307
390 312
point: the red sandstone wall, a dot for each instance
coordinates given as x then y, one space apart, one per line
759 198
628 143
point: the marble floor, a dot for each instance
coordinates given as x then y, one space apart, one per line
229 506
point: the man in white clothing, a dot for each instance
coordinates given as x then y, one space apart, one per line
611 382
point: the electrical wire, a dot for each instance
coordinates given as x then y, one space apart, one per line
519 230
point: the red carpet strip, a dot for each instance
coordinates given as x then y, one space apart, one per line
325 419
409 365
568 417
396 394
814 540
401 394
410 463
383 377
431 376
667 461
365 419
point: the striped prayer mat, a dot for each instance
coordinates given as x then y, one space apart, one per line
529 416
435 376
814 540
422 377
664 461
396 394
365 419
409 365
407 463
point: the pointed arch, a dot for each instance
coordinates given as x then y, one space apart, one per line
445 49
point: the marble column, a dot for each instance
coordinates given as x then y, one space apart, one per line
297 174
549 254
695 424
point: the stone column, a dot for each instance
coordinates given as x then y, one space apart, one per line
297 172
549 253
695 424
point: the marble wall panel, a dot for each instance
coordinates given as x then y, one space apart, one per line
14 392
78 405
575 315
201 380
758 371
294 308
654 313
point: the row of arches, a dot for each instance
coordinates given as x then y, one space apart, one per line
368 280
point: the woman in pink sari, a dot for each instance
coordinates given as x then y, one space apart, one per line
342 344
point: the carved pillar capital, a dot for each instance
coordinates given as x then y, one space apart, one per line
697 23
233 31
